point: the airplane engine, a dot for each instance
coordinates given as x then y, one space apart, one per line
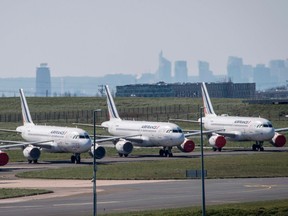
31 153
4 158
124 147
278 140
100 151
217 141
187 146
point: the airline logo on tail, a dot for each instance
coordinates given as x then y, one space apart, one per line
208 108
25 109
113 113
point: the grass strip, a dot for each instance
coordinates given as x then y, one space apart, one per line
6 193
228 166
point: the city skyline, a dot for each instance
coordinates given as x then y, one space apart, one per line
46 84
97 38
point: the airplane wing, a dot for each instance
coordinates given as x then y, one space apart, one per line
281 129
7 130
15 144
225 134
205 132
111 138
90 125
184 120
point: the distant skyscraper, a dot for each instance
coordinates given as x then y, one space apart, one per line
279 70
262 77
180 71
247 73
234 69
205 75
164 70
43 81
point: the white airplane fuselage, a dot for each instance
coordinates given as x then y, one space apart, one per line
150 133
244 128
61 139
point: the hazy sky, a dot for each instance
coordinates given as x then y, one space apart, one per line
98 37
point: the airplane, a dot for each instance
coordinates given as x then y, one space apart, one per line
52 139
144 133
239 128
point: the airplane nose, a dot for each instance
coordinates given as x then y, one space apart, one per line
86 145
271 133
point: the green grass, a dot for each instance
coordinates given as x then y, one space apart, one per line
266 208
220 166
6 193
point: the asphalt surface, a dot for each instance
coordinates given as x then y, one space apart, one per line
77 198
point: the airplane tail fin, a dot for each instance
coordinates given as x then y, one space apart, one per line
208 108
25 109
113 113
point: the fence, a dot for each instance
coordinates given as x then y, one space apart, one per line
86 116
161 113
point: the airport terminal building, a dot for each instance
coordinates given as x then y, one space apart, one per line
161 89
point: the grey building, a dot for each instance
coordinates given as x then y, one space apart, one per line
43 81
216 90
204 72
234 69
164 70
180 71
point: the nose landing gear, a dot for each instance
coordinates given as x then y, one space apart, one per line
258 146
166 152
76 158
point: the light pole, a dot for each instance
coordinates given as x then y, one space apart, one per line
202 166
94 164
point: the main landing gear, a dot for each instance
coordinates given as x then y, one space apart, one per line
34 161
166 152
217 149
258 146
76 158
121 155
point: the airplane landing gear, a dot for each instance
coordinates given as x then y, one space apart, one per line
34 161
166 152
258 146
76 158
121 155
215 149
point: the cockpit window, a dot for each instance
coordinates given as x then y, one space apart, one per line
265 125
81 136
177 130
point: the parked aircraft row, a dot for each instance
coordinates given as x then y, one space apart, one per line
126 134
237 128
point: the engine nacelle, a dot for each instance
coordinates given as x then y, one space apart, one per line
124 147
217 141
100 151
31 153
278 140
4 158
187 146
